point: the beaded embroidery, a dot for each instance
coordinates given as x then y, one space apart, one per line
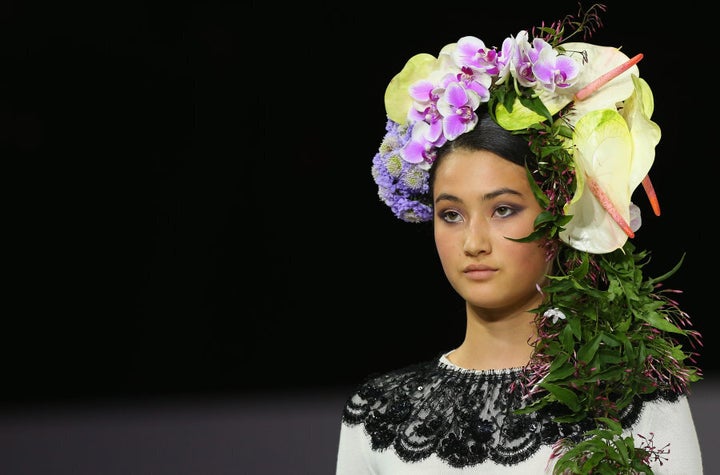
466 417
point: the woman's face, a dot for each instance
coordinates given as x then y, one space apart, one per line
480 200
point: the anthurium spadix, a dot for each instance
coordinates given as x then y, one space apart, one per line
603 160
601 60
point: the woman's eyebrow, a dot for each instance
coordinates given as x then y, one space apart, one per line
501 191
447 197
487 196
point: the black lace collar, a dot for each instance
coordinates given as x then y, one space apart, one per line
464 416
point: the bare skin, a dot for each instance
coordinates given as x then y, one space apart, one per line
480 200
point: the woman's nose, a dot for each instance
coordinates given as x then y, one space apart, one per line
476 240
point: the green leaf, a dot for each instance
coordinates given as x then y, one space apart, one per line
560 373
612 424
587 351
622 448
669 273
536 105
563 395
609 340
613 373
659 322
539 195
567 338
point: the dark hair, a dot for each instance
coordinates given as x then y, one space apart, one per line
489 136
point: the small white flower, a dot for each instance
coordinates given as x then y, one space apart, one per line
555 314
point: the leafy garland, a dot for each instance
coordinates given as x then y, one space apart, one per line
607 334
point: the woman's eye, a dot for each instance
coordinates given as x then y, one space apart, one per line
504 211
451 216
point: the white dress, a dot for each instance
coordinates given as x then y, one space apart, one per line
437 418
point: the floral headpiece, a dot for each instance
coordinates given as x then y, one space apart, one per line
583 106
606 333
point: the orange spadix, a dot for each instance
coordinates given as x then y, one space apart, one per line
585 92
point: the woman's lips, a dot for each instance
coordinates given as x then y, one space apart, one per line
479 272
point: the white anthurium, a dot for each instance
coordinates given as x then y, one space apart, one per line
603 156
600 60
645 133
397 99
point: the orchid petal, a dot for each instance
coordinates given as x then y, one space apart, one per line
422 66
413 152
600 60
603 153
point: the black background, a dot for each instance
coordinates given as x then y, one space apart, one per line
189 205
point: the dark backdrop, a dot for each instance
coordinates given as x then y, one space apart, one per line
190 207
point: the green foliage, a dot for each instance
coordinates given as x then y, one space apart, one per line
615 343
605 451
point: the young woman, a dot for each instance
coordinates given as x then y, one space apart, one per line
526 165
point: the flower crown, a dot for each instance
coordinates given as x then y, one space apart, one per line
583 107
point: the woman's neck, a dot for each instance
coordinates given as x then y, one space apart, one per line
496 343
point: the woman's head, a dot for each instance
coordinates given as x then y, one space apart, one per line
483 203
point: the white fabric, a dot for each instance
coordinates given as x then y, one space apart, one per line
671 423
